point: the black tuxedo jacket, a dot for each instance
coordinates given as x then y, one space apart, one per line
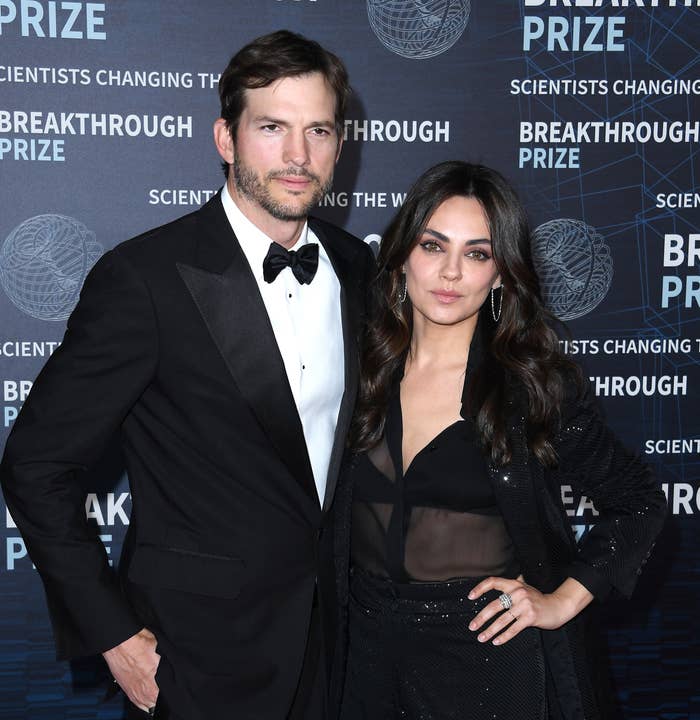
171 345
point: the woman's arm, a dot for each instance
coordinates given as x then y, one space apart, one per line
631 511
631 507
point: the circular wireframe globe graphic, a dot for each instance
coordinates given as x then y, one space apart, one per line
574 266
43 263
418 29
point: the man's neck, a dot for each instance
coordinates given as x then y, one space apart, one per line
284 232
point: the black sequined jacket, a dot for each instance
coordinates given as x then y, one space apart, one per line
608 558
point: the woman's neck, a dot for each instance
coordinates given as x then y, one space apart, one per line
440 346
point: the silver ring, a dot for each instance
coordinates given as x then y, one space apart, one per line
506 601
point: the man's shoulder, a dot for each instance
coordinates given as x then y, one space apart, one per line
175 239
157 240
332 231
341 239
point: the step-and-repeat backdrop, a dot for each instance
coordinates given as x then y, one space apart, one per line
589 106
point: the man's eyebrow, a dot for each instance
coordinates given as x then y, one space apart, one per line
270 120
444 238
283 123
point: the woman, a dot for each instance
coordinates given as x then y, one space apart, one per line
468 596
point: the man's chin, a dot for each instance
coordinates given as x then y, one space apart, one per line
290 211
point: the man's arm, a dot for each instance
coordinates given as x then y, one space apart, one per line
76 405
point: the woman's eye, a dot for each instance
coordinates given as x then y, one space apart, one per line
430 246
478 255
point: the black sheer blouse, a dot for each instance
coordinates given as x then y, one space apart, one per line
436 520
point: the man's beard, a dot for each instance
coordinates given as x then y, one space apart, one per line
250 185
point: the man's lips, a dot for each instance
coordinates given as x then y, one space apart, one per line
294 182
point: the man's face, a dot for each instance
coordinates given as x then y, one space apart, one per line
285 149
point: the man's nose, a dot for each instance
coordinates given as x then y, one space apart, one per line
296 149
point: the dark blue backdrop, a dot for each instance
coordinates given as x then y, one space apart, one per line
105 130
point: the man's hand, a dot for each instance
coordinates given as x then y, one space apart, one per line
133 665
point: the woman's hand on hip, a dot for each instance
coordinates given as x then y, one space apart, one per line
528 607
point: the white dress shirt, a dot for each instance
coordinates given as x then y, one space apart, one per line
308 328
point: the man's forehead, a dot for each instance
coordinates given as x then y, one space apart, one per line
294 91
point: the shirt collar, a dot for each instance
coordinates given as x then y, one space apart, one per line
253 241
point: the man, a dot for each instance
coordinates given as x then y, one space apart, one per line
229 365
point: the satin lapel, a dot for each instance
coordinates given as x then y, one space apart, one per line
227 296
351 305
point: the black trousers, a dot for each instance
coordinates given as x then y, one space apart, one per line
412 656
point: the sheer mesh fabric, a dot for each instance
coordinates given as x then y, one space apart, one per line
445 544
437 522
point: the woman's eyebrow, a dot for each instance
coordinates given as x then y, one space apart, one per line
444 238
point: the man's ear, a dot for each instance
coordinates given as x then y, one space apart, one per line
223 140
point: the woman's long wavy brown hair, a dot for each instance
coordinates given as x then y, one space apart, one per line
521 355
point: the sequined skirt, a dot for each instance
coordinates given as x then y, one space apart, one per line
411 655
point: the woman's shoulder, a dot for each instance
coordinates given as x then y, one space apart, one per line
563 380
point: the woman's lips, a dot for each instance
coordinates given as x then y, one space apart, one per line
446 296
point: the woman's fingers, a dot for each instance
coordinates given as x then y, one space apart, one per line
491 610
505 619
507 622
513 588
485 585
510 632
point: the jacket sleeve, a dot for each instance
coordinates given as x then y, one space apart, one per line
75 407
623 489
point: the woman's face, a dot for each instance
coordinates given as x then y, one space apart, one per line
450 271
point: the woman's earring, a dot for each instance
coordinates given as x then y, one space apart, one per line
496 317
402 292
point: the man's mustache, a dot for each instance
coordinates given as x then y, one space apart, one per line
292 172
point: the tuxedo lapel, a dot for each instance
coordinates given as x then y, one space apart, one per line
227 296
351 304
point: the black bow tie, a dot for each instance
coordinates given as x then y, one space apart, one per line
303 262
